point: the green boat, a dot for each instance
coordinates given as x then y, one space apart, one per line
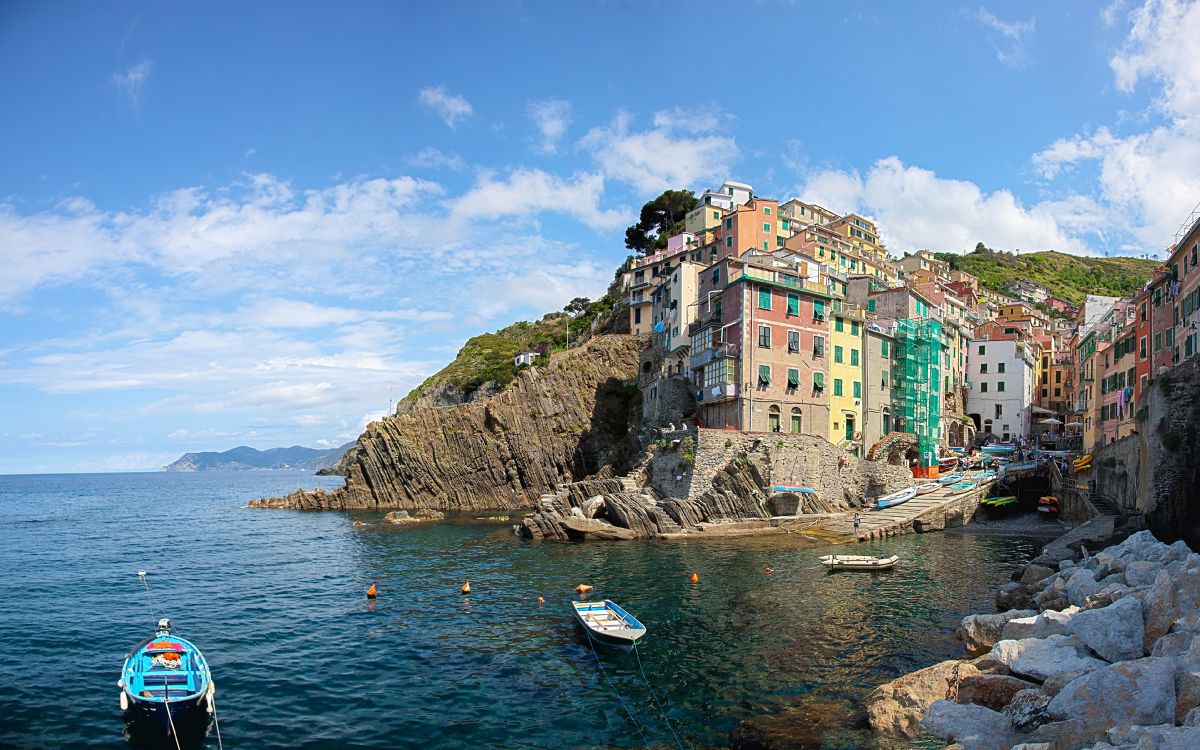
997 500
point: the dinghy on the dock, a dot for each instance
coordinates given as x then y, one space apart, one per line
894 499
950 478
858 562
925 489
608 623
958 487
997 449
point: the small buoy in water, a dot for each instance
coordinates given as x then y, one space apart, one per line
541 599
695 577
371 592
767 569
466 587
582 588
124 701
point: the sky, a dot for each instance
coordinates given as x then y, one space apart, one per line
262 224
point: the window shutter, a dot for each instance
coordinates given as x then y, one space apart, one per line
793 378
764 374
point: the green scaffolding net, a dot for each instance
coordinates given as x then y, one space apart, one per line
917 398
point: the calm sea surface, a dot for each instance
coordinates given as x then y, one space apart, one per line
276 601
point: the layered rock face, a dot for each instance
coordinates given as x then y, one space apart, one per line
557 423
1115 663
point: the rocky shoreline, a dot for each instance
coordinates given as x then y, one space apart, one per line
1093 650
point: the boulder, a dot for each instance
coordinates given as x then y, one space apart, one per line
1159 737
1115 632
398 516
980 632
1013 595
586 530
593 507
1027 709
972 727
1142 572
1042 658
1034 573
1192 719
1187 680
896 708
993 691
428 514
1107 563
1140 546
1054 685
1172 644
1046 624
1131 692
1080 586
1171 597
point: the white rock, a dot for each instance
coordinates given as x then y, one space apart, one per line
1050 622
1130 692
1040 658
1115 632
1080 586
972 727
1139 546
981 632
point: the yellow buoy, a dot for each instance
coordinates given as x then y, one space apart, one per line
582 588
466 587
695 577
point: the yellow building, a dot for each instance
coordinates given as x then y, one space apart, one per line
847 330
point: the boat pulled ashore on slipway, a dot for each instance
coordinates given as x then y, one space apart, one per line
894 499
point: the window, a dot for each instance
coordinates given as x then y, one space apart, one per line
837 354
1158 342
857 389
883 382
783 224
999 410
853 328
1000 367
983 387
1045 393
767 210
837 386
716 276
982 349
793 381
764 336
1000 387
796 420
764 374
818 346
764 299
871 305
766 227
765 245
729 223
793 304
818 381
854 358
637 315
838 325
1057 392
728 242
983 369
883 348
716 214
818 310
1058 376
1142 348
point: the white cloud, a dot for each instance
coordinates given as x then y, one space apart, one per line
918 209
527 192
131 82
1066 152
432 158
1014 36
1163 33
450 107
658 159
551 116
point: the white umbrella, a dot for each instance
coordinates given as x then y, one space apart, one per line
1074 424
1050 420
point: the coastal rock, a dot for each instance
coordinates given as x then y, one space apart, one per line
972 727
593 507
1173 644
1080 586
1041 658
1048 623
403 516
1187 680
1131 692
1034 573
1013 595
992 691
897 707
1159 737
1140 546
1170 598
980 632
590 529
1115 632
1141 572
1027 709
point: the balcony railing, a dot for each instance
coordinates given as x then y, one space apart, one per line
717 392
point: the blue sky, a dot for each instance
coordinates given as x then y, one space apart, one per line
261 223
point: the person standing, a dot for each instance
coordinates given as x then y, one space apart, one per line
857 520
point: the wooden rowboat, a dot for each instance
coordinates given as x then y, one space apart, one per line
858 562
608 623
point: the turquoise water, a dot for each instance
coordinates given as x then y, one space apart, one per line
301 659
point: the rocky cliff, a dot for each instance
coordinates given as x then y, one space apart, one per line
556 423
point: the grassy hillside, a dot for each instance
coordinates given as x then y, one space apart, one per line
1068 276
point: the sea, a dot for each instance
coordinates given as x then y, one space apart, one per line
301 659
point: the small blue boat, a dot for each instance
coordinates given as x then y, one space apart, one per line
607 623
999 448
896 498
985 476
950 478
166 680
958 487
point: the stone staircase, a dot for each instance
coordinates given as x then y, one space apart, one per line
1105 505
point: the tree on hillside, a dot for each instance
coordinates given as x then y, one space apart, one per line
577 306
660 219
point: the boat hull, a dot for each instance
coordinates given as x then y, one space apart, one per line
628 634
894 499
858 562
189 712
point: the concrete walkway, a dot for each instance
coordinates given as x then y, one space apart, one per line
899 519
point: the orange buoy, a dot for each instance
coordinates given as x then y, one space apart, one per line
541 599
466 587
371 592
695 577
767 569
582 588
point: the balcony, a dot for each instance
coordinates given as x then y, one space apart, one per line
702 358
718 392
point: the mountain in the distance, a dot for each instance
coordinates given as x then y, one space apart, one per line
244 458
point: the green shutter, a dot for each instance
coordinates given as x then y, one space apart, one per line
871 305
764 374
793 304
853 328
819 309
818 380
883 348
793 378
838 325
857 389
837 354
837 386
764 299
854 357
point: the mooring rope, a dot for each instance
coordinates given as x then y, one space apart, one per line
170 719
151 599
212 701
678 742
616 692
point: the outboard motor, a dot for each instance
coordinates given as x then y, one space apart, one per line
164 626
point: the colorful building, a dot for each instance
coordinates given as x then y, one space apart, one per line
846 336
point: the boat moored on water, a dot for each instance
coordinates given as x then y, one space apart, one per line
894 499
607 623
858 562
166 680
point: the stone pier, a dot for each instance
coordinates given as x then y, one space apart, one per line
931 512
